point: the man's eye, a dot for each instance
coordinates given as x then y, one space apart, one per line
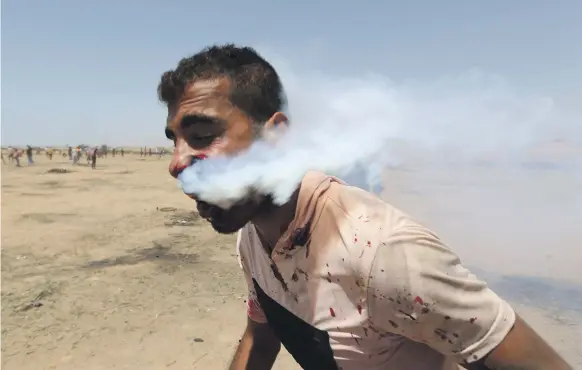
199 142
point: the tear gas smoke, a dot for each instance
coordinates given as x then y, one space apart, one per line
344 126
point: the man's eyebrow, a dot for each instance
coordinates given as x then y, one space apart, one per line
200 119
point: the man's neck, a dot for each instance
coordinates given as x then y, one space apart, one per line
274 221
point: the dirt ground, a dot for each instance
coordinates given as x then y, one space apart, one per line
111 269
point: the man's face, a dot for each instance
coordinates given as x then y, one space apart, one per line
204 124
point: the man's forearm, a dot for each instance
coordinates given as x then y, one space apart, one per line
522 349
251 355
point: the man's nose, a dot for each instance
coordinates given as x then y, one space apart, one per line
179 162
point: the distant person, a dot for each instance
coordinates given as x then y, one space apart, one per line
94 158
113 152
122 152
150 152
17 154
77 155
49 153
29 155
341 278
70 151
11 152
141 152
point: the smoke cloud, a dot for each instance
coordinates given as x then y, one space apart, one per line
355 126
495 171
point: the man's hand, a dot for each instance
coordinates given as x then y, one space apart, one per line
522 349
257 349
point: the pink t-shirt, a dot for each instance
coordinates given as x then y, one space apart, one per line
355 283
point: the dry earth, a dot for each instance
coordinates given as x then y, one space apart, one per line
111 269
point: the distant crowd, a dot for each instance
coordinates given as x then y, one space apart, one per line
75 154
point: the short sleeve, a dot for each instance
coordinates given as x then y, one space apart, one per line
243 244
417 288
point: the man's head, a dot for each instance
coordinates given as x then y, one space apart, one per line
219 101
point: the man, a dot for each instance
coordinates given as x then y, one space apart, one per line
11 152
93 153
342 279
29 155
17 154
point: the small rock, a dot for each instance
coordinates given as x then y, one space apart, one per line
58 170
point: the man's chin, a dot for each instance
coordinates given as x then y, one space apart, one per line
224 227
227 221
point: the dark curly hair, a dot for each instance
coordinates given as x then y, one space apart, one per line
256 88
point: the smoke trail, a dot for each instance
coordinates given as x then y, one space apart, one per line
340 125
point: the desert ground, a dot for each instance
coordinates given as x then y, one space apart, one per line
112 269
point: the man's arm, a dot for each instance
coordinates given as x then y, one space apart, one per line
257 349
524 349
259 346
419 289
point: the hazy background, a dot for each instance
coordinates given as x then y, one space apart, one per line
79 71
87 72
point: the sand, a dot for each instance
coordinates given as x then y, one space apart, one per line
112 269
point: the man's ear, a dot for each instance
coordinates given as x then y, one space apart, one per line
276 119
277 123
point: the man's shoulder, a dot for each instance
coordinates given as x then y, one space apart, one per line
365 210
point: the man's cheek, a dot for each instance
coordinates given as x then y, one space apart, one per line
219 146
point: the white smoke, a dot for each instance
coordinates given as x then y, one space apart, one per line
344 125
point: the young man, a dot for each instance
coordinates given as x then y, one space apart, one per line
342 279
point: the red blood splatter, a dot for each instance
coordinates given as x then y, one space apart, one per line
331 312
369 243
253 307
360 309
355 238
201 156
472 320
418 300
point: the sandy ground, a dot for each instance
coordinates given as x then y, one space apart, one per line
111 269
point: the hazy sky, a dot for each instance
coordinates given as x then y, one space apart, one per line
86 71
